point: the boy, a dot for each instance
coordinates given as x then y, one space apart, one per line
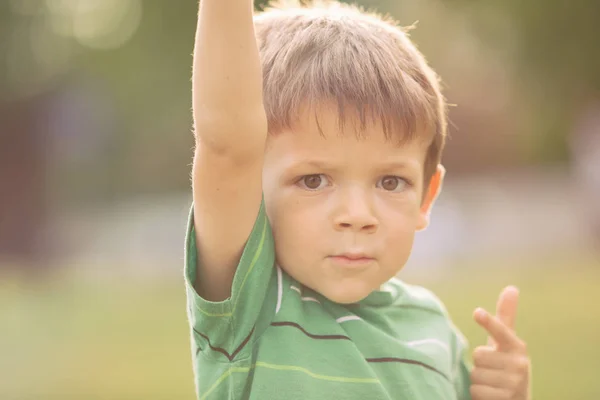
319 132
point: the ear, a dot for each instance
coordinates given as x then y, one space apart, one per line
432 192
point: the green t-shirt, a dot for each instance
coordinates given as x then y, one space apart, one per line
276 339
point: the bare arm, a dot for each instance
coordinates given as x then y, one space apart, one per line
231 129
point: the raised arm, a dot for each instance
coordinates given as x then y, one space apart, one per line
230 128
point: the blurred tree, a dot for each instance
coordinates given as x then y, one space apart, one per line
23 210
146 78
558 55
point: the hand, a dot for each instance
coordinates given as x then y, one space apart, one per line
502 368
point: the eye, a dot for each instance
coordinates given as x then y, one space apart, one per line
392 183
313 182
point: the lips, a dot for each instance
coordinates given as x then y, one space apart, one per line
354 256
352 259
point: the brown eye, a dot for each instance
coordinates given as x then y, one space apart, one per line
313 182
391 183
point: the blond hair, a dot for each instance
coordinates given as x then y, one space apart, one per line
323 51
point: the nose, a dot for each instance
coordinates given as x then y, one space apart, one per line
355 213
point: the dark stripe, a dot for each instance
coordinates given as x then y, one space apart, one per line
371 360
406 361
241 346
310 335
223 351
313 336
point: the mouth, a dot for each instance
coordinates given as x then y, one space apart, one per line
351 259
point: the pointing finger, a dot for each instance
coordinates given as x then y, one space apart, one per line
506 308
504 337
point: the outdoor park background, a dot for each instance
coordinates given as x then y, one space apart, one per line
95 154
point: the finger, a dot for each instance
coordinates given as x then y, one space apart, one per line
506 308
505 338
491 342
497 378
482 392
488 358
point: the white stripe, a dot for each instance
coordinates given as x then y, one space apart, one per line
348 318
310 299
428 341
279 290
304 298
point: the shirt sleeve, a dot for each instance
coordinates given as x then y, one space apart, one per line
223 330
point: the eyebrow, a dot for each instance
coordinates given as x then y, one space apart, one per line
320 164
399 165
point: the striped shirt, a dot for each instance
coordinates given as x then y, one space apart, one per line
276 339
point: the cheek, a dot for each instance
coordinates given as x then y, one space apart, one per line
398 249
296 226
399 230
400 215
296 243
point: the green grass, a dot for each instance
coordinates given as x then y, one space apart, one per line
558 317
95 339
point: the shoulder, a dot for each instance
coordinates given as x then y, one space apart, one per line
416 296
424 300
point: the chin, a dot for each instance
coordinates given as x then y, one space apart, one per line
347 296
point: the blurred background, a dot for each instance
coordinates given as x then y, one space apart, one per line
95 156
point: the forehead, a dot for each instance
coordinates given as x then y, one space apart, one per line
327 134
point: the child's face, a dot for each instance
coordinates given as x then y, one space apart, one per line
344 211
